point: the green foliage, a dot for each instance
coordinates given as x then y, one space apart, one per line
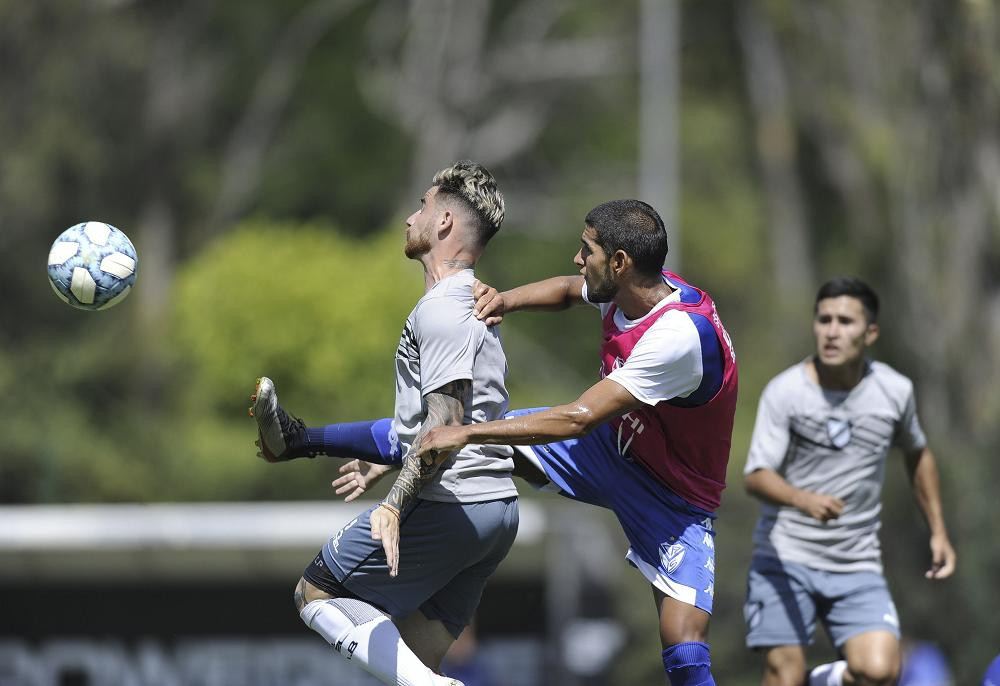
72 431
128 112
318 312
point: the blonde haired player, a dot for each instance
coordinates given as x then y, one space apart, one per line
449 525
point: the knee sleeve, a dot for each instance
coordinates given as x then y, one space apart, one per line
688 664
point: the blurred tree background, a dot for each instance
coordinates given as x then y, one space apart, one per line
262 157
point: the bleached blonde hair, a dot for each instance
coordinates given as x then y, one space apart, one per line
475 185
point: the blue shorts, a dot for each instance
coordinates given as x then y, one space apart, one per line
784 600
672 543
447 551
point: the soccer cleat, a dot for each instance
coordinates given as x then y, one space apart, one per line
280 435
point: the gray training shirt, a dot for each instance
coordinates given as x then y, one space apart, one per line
442 341
831 442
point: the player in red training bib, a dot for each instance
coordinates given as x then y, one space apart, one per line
649 441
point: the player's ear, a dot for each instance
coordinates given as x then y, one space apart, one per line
619 261
445 223
871 333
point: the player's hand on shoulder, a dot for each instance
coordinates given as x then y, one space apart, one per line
357 477
943 557
489 306
819 505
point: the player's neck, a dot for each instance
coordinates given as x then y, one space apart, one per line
842 377
637 301
438 269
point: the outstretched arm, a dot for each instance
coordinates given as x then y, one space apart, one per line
601 402
923 471
556 293
445 407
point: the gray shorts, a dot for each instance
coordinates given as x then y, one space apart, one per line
784 600
447 551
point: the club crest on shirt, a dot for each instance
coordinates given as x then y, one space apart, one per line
671 556
839 431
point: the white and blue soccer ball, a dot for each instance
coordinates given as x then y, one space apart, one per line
92 266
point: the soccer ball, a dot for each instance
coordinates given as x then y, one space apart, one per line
92 266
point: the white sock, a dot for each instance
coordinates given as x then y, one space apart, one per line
830 674
362 634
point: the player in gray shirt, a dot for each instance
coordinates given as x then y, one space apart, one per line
443 342
414 566
817 463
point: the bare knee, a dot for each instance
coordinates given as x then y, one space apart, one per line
300 595
873 658
784 666
305 593
874 670
680 622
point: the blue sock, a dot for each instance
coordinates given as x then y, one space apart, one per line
371 441
688 664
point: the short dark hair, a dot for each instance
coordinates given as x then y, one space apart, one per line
853 287
633 227
474 187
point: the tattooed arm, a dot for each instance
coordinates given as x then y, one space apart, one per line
445 407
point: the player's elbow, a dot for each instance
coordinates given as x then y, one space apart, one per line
751 483
580 420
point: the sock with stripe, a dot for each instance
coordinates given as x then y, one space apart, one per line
360 633
371 441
